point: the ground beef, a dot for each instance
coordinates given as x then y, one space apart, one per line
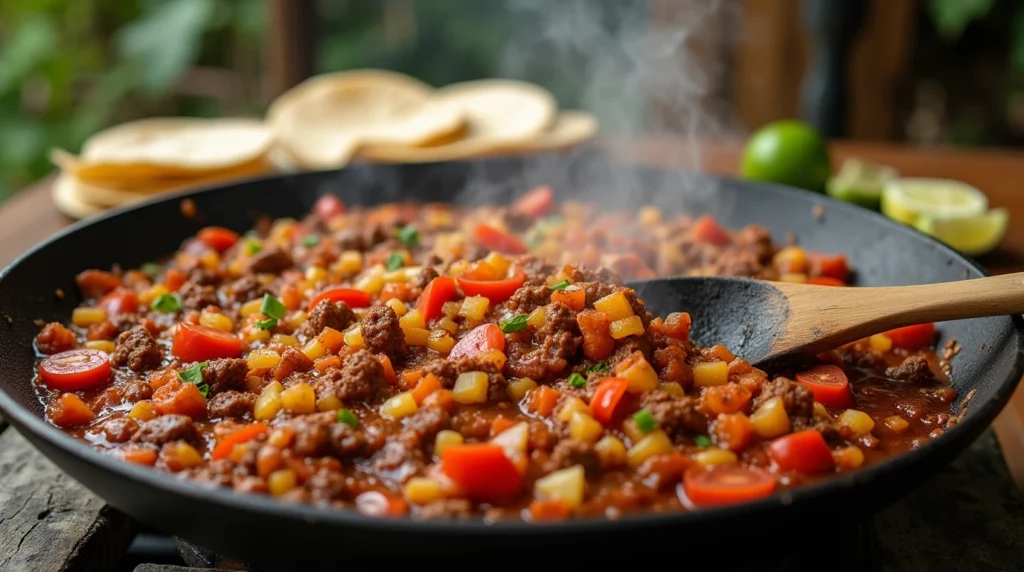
569 452
517 221
796 398
120 429
312 437
444 370
361 378
446 509
195 296
202 277
137 349
537 270
225 374
382 332
558 340
346 441
401 459
55 338
230 404
245 289
136 390
325 485
167 428
425 276
270 260
327 314
425 424
528 298
914 369
680 417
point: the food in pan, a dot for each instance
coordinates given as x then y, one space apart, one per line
421 360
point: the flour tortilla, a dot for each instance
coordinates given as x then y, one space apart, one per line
570 129
68 201
132 179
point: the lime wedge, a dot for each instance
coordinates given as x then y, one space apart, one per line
908 199
860 182
972 235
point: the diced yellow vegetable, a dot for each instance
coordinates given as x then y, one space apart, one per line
710 373
566 485
294 319
350 262
672 388
147 296
474 307
649 215
263 359
440 341
314 349
354 337
630 428
328 403
451 309
583 427
447 324
446 438
371 283
412 319
209 260
849 458
398 306
536 317
399 406
498 262
394 276
421 491
417 336
654 443
299 398
611 450
880 342
513 440
470 387
496 357
896 424
615 306
771 420
316 274
518 388
820 410
858 421
790 259
101 345
640 374
143 411
793 278
83 317
714 456
570 406
631 326
268 403
281 481
252 335
217 321
250 307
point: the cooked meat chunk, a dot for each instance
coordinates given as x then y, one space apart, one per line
225 374
230 404
137 349
382 333
55 338
167 428
328 314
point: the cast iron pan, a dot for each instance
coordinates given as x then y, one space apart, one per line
278 536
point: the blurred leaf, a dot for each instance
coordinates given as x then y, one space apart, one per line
31 42
1017 43
249 16
166 41
951 17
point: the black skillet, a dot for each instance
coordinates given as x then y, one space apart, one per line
277 536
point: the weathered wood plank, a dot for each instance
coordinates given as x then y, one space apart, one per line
49 522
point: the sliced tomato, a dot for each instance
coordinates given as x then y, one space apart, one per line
494 290
829 385
239 436
707 230
830 266
537 202
825 281
606 398
120 301
726 484
482 471
193 342
328 206
353 297
218 238
74 370
498 240
439 291
912 337
804 452
479 339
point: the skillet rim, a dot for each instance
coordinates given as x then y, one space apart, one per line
226 499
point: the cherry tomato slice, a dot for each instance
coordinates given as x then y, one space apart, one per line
494 290
482 471
354 297
606 398
804 452
239 436
479 339
536 202
825 281
498 240
120 301
328 206
74 370
218 238
707 230
912 338
830 266
726 484
439 291
829 385
193 342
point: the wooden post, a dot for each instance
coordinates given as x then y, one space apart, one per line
825 91
290 44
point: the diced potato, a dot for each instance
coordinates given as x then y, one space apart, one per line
710 373
451 309
632 431
83 317
179 456
849 458
316 274
284 340
612 451
820 410
371 283
470 387
496 357
474 307
217 321
858 421
412 319
631 326
294 319
446 438
498 262
440 341
654 443
791 259
398 306
314 349
143 411
880 342
771 420
399 406
583 427
101 345
395 276
421 491
536 317
350 262
447 324
299 398
281 481
714 456
263 359
147 296
354 337
250 307
896 424
640 374
615 306
416 336
209 260
268 403
518 388
328 403
672 388
513 440
566 485
252 335
570 406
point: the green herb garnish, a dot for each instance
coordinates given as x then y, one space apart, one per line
167 303
645 421
578 381
152 268
311 240
599 367
194 375
560 286
252 247
409 236
702 441
273 309
514 324
348 418
395 261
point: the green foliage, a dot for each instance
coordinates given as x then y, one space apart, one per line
165 43
951 17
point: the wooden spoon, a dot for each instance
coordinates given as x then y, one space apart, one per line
770 323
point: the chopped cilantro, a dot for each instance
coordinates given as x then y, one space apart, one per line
194 375
702 441
514 324
347 417
252 247
645 421
409 236
152 268
167 303
311 240
560 286
599 367
578 381
395 261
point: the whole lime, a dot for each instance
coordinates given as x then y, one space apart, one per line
787 152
